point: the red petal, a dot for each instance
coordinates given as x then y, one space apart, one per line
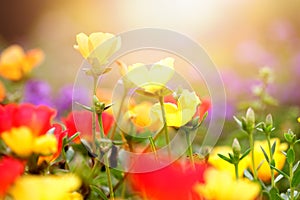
10 170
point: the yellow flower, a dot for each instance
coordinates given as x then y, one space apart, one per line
97 47
30 187
219 185
151 80
23 142
140 114
221 164
2 92
178 115
264 172
15 63
298 119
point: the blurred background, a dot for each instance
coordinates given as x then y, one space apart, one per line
239 36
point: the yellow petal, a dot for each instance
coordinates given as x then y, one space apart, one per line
19 140
221 164
50 187
153 79
45 145
219 185
264 172
82 44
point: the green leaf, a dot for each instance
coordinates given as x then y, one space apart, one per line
280 172
225 158
274 193
265 154
273 147
290 156
238 121
99 192
245 153
84 106
296 166
296 179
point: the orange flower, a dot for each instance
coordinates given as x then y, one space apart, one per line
2 92
15 63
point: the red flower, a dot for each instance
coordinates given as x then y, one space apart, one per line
203 108
82 122
36 118
175 181
10 170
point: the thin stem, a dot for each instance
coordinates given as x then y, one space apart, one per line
153 147
145 150
101 125
236 169
271 159
161 101
292 189
94 146
251 141
190 149
109 182
118 117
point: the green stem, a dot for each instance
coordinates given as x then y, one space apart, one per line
161 101
118 117
101 125
236 169
190 149
94 146
251 141
271 159
153 147
109 182
292 189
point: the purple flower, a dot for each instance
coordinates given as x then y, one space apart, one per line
252 52
281 30
38 93
64 99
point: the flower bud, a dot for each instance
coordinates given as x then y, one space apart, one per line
269 121
250 119
290 137
236 148
266 74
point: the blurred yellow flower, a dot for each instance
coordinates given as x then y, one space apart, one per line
298 119
221 164
151 80
264 172
97 47
140 114
2 92
180 114
220 185
23 142
15 63
30 187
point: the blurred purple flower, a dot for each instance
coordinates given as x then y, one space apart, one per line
296 64
37 92
252 52
281 30
64 99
